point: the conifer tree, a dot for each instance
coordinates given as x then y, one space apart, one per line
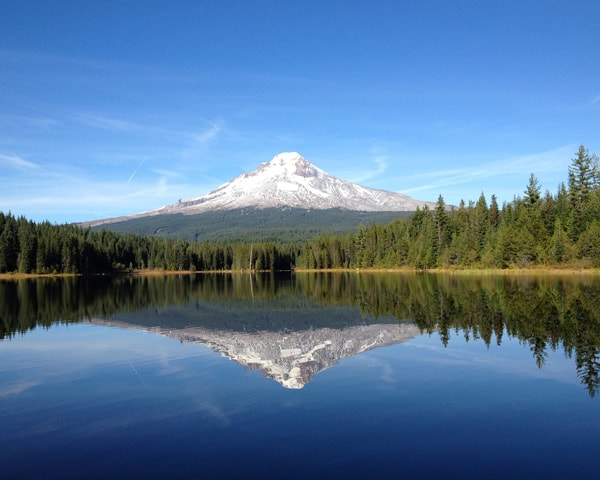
442 233
583 176
532 192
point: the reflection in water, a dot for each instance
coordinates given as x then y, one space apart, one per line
291 357
231 313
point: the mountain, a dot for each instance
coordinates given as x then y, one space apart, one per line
287 181
290 357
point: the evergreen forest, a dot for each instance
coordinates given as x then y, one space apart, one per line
560 229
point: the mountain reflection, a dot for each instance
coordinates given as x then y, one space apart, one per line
290 357
292 326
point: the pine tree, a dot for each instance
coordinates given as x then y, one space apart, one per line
27 246
9 245
583 176
532 192
442 233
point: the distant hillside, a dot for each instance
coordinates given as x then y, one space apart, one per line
282 225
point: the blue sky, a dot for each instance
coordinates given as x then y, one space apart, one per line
115 107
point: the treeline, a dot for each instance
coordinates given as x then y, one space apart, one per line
534 229
27 247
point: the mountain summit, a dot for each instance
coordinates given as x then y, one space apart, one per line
292 181
288 180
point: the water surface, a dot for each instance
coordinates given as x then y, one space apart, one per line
357 376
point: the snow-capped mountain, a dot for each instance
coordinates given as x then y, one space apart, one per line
288 180
291 180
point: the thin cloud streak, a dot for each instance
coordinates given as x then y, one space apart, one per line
57 60
90 199
119 125
14 161
135 171
37 122
110 123
550 161
167 173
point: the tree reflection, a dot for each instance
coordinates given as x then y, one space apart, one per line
588 367
543 312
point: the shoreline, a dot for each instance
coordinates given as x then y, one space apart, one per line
398 270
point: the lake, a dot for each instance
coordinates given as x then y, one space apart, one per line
345 375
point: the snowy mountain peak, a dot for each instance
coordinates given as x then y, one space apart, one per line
289 180
287 159
287 164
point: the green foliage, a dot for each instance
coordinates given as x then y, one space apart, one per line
553 230
532 192
44 248
588 245
279 225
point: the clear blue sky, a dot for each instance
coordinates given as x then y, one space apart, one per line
116 107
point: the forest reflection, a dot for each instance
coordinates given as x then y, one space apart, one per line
547 312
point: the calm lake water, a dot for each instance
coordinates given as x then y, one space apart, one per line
300 376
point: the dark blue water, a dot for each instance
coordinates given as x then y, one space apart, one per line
91 401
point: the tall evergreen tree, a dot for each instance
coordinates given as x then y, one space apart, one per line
532 192
442 232
583 176
9 245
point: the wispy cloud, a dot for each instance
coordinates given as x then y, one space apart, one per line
381 162
208 134
163 172
119 125
167 151
37 122
378 166
109 123
14 161
84 197
549 161
56 60
596 100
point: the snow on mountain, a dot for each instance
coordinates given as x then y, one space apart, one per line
288 180
291 180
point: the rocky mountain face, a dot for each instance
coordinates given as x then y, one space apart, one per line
288 180
291 358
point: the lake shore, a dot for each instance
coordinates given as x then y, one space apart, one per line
21 276
401 270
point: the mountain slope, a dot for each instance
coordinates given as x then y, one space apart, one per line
288 180
281 225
